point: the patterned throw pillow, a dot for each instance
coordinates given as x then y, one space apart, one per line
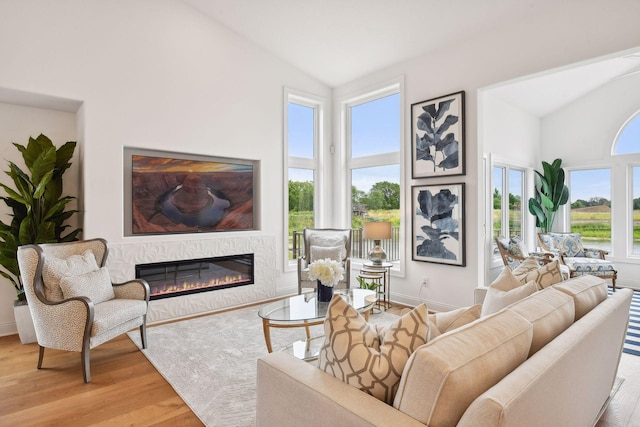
95 285
57 268
569 243
544 276
526 266
366 356
517 247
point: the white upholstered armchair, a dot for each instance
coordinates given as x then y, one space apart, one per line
321 243
73 303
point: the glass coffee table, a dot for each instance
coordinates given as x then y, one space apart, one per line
303 311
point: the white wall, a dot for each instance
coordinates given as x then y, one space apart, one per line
152 74
512 50
510 136
157 74
582 134
17 124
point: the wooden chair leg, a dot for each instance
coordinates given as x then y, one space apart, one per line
143 333
85 365
40 357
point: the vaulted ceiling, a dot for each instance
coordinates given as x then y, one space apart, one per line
338 41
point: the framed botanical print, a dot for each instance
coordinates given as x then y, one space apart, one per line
437 132
438 223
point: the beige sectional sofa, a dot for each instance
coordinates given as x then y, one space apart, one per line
548 360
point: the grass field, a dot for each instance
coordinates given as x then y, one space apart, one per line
592 225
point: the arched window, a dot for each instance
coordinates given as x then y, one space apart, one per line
628 138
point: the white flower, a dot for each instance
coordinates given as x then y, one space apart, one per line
327 271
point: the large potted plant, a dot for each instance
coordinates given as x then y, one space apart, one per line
551 193
38 210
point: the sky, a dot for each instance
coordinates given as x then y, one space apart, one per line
375 129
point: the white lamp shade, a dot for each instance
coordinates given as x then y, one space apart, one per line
377 230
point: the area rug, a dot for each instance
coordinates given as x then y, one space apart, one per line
632 340
210 361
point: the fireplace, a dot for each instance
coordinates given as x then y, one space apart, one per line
174 278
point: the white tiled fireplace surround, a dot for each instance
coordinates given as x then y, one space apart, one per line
124 257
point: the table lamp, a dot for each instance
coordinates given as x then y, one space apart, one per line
377 231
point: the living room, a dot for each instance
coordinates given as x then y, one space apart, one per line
164 76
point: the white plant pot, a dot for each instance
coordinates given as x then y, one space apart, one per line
24 323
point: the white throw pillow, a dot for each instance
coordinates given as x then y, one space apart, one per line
368 357
56 268
323 252
504 291
96 285
496 300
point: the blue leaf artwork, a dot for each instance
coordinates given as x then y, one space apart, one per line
437 136
437 223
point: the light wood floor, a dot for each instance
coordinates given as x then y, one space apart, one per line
126 390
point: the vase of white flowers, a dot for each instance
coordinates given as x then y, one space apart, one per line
328 273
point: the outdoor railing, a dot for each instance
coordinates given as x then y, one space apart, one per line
360 246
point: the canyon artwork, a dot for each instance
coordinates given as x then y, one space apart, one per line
172 195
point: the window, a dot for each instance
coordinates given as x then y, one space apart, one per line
627 145
590 213
508 193
373 133
635 210
628 139
303 118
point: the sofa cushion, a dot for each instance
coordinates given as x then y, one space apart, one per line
444 376
368 357
544 276
587 292
550 311
96 285
56 268
505 290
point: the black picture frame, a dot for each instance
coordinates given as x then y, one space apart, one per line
438 138
438 233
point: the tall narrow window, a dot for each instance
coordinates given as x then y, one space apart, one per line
373 132
590 193
635 209
303 132
508 192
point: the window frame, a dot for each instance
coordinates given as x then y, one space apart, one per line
315 164
566 209
496 261
348 163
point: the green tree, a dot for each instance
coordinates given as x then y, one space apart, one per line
357 196
497 199
300 196
384 195
514 201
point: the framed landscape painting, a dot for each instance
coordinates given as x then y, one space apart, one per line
167 192
437 129
438 223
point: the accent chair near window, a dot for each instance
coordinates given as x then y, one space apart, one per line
321 243
580 260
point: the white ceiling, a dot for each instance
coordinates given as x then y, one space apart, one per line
338 41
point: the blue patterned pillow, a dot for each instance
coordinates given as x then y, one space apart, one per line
569 243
